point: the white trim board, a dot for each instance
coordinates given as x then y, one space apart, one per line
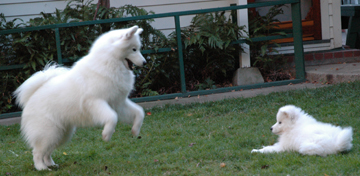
310 47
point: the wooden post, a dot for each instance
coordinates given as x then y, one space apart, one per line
244 20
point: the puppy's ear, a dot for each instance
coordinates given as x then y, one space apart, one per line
139 31
290 115
130 33
287 115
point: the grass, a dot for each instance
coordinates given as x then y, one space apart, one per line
195 139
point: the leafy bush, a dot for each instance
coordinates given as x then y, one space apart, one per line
10 79
213 33
210 32
263 54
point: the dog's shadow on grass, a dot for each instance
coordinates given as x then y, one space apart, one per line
345 152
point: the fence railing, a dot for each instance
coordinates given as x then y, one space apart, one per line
297 35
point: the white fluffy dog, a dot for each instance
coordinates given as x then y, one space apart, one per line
300 132
93 92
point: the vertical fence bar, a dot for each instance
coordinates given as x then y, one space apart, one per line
58 48
298 43
180 53
233 15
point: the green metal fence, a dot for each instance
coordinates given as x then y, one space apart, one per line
297 34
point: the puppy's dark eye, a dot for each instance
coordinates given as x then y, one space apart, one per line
279 122
134 49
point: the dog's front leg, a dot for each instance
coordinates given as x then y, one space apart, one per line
103 114
138 114
269 149
132 114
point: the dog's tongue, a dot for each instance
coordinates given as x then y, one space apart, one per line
130 64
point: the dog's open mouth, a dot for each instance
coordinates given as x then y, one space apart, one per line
130 64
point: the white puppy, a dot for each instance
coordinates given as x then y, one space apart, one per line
300 132
93 92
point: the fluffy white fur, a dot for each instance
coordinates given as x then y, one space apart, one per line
298 131
93 92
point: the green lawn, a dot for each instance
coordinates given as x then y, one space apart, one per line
195 139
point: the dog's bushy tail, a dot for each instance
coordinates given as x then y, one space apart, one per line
344 139
29 87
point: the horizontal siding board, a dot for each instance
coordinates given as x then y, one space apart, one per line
3 2
18 10
144 4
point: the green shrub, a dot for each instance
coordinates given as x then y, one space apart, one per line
208 55
262 53
10 79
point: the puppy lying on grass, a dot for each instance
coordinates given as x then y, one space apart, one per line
300 132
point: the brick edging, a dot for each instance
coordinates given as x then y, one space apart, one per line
329 57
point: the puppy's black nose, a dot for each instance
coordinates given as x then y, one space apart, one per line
144 63
271 129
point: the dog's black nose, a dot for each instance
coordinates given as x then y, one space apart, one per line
271 129
144 63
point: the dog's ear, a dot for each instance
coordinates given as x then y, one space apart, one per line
130 33
139 31
287 115
290 115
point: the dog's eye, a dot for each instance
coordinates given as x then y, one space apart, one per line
279 122
134 49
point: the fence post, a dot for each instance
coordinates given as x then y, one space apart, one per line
58 48
298 43
180 53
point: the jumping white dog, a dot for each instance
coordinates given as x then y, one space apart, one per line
300 132
93 92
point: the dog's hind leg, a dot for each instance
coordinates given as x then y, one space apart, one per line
42 154
48 161
66 137
43 135
38 156
310 148
103 114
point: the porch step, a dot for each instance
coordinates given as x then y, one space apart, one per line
333 73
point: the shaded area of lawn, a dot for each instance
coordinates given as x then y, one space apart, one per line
195 139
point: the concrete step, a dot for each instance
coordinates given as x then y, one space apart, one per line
333 73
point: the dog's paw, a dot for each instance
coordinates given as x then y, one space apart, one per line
55 166
42 166
135 132
256 151
106 136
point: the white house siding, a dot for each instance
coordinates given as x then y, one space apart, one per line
27 9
